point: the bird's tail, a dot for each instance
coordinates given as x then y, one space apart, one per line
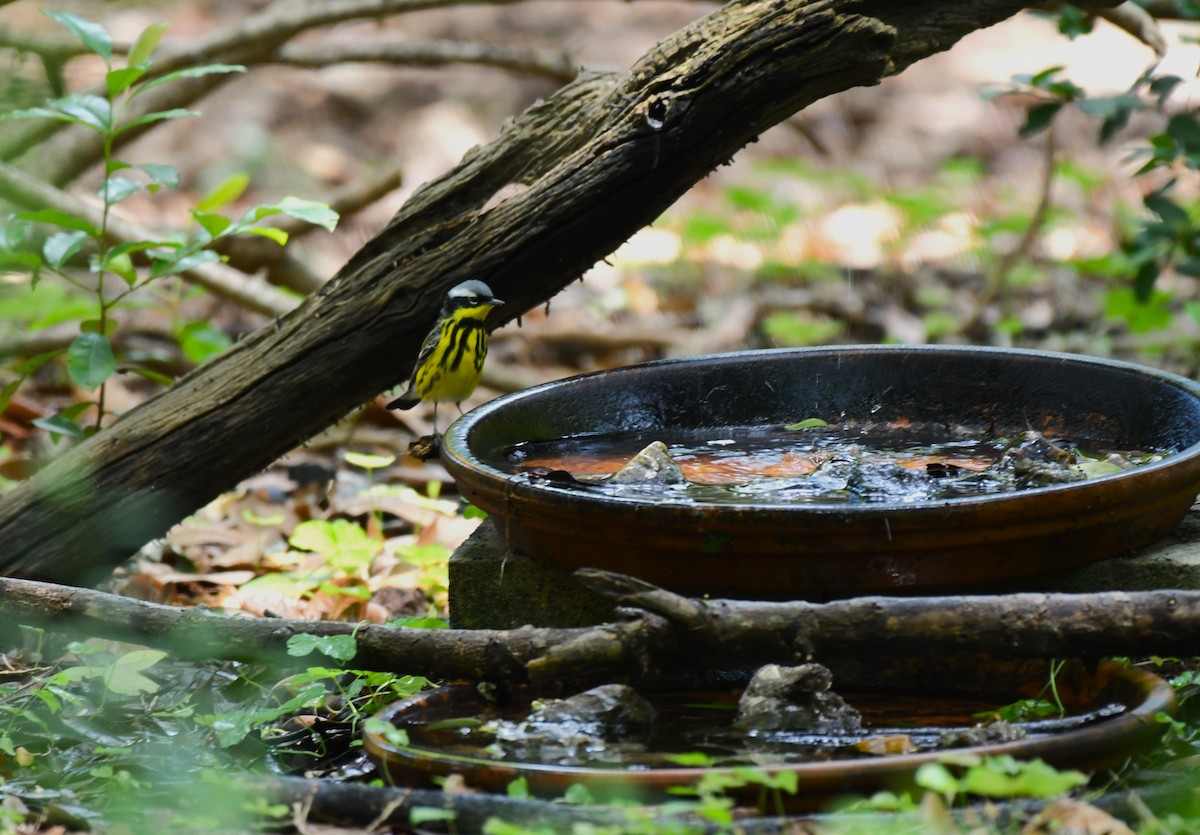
405 401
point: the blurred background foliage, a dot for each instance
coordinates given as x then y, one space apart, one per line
1033 187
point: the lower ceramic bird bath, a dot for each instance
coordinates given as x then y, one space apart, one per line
1111 712
819 549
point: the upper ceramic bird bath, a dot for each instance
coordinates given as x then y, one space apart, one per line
821 549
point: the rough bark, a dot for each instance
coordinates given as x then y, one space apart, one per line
667 632
199 633
603 157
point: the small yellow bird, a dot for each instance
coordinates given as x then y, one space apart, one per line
451 358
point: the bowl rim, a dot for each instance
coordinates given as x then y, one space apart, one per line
1134 726
460 461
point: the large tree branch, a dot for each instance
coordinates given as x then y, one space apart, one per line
600 159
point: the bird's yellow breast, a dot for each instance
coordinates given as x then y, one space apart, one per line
454 366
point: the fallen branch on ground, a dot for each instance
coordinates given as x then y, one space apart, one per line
669 632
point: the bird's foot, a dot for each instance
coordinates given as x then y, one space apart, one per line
426 447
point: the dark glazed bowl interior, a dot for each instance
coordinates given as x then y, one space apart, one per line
822 550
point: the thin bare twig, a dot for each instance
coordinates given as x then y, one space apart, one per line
997 280
1138 22
58 153
427 53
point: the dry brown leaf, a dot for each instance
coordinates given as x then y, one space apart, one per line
1073 817
891 744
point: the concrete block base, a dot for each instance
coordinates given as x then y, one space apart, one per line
493 589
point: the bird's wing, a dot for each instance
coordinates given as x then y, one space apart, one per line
410 397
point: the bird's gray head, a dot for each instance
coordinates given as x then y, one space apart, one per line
471 293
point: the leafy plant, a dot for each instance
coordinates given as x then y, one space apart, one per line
996 777
82 252
1039 707
1168 235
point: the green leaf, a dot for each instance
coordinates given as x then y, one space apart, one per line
369 462
161 174
423 555
337 647
85 109
264 521
157 116
473 512
1039 117
90 360
518 788
324 537
115 189
172 266
35 362
156 376
200 341
1189 267
395 736
579 794
130 247
1140 316
1073 21
6 393
36 113
94 36
189 72
937 778
144 46
59 425
61 247
797 328
13 231
67 221
807 423
1167 209
1163 86
118 81
311 211
232 726
74 411
334 590
697 759
420 622
212 222
1185 130
120 264
124 676
225 192
1004 777
426 814
277 235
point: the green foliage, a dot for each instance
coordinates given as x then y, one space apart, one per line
1168 235
80 252
1000 777
345 546
787 328
122 675
338 647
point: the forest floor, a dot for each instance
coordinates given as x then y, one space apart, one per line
899 213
